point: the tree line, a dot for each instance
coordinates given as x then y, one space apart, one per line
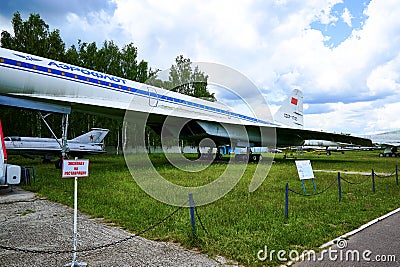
34 36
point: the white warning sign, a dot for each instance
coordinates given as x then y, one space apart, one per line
75 168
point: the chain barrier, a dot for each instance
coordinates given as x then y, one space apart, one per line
35 251
311 195
201 222
338 182
56 252
357 183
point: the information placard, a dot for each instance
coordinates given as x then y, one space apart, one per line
304 169
75 168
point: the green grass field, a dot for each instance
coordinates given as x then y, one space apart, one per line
241 223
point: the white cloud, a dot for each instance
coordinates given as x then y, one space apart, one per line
325 16
5 25
272 43
385 78
96 26
384 118
343 118
347 17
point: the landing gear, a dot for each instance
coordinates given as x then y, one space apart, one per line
63 144
209 155
58 163
218 156
255 158
249 156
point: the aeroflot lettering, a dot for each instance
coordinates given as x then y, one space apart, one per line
87 72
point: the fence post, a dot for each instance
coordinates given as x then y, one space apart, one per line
373 180
339 186
192 219
397 174
287 201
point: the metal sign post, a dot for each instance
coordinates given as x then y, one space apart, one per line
75 168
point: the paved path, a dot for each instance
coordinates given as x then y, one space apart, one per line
378 245
38 224
360 173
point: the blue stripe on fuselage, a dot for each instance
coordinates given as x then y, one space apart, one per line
57 73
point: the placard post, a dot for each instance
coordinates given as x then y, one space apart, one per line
75 168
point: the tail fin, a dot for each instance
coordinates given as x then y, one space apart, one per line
291 112
96 135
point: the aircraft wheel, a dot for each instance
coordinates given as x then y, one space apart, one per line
58 164
255 158
381 155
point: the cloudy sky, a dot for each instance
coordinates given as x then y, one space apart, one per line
343 54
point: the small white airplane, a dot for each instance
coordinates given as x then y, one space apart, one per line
318 145
328 146
388 140
310 145
90 143
33 82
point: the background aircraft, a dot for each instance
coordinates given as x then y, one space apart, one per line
310 145
388 140
29 81
90 143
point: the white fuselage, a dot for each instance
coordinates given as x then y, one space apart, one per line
32 145
30 76
38 81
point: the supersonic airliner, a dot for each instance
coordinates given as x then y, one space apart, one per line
33 82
